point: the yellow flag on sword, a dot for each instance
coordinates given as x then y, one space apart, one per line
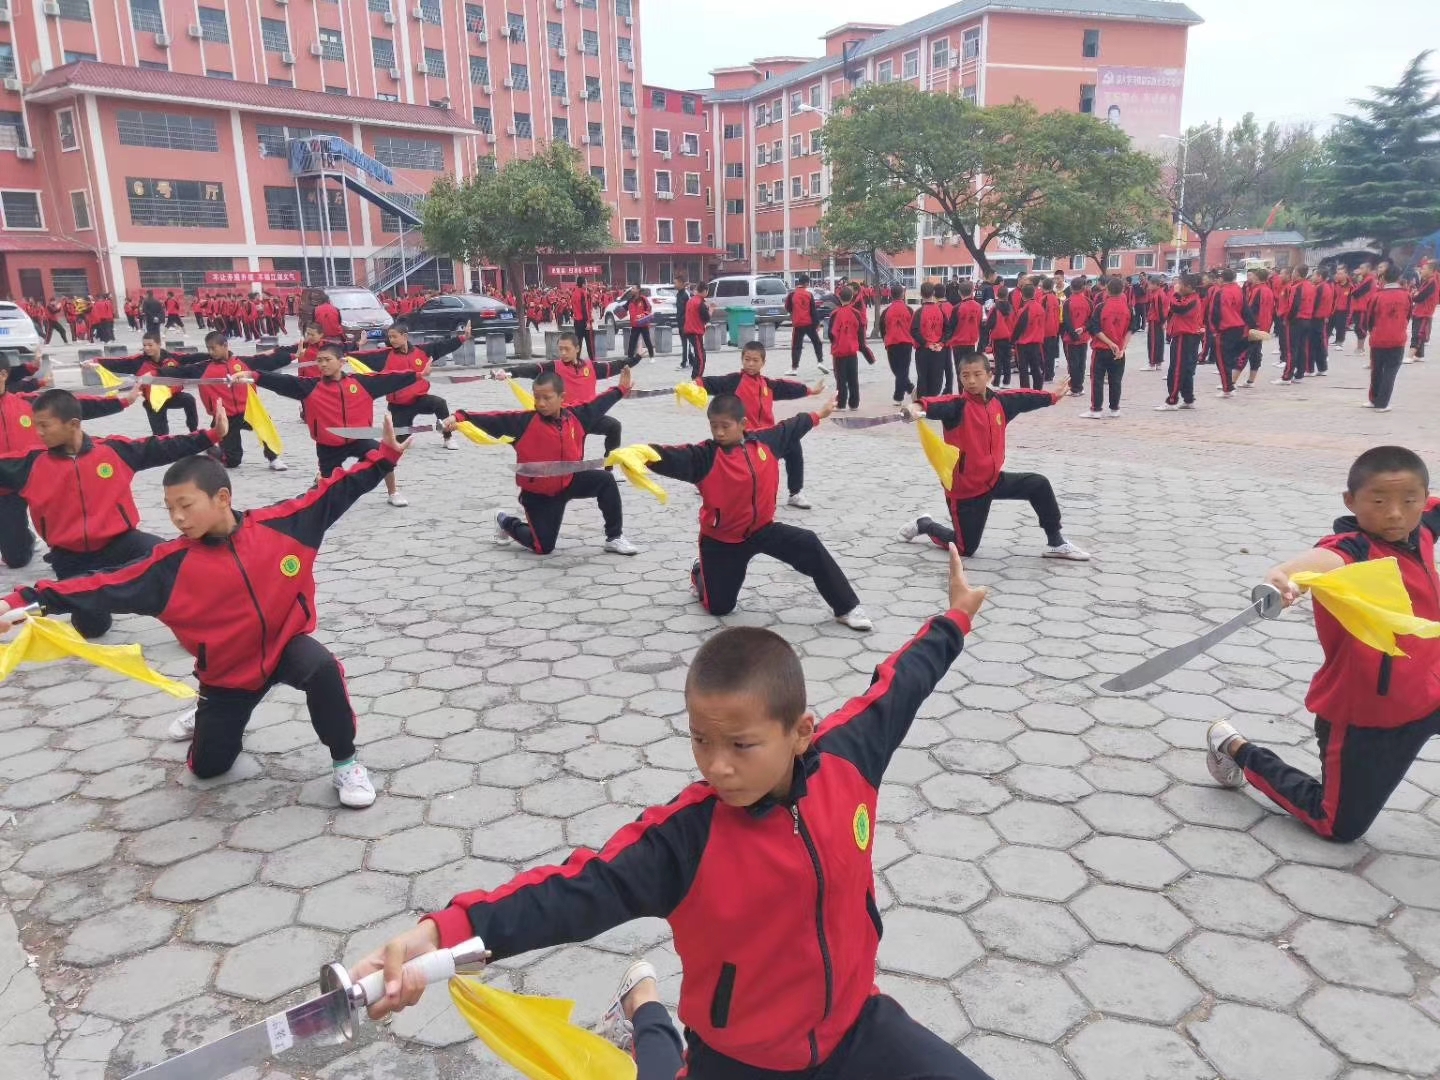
942 456
43 641
1369 600
260 423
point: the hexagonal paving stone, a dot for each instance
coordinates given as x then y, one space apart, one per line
928 881
1418 931
1412 881
312 862
432 778
1255 972
927 943
1117 1050
1019 999
389 815
1047 783
971 756
1293 842
205 876
470 806
1255 1044
1374 1030
516 838
1125 815
1122 860
433 890
1039 824
1035 872
125 930
175 840
1217 807
354 901
1133 983
1232 905
932 1005
1353 955
1002 1056
1331 894
563 797
950 836
281 961
1122 916
1220 851
413 850
968 794
69 854
279 828
1028 929
243 914
152 981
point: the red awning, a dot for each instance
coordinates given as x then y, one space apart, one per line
39 242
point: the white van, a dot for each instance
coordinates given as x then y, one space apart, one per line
765 294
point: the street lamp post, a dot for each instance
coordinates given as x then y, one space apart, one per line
1184 141
824 114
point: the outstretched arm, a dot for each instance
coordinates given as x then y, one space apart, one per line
307 517
161 450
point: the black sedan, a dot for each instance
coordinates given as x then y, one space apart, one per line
475 313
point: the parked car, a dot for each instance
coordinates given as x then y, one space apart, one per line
361 313
18 339
765 294
475 313
662 303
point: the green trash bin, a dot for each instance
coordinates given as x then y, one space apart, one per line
737 319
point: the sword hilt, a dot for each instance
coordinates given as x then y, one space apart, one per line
1268 601
18 615
438 966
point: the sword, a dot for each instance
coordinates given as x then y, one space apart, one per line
15 616
327 1020
170 380
376 433
556 468
491 377
1265 603
857 423
663 391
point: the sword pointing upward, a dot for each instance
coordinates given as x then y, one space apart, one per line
327 1020
376 433
1265 603
556 468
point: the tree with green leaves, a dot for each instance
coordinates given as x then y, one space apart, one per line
1382 176
1116 206
976 171
867 221
512 213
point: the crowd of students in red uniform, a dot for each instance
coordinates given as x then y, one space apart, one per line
91 318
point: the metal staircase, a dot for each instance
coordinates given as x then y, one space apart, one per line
881 270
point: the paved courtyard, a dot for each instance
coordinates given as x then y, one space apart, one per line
1065 893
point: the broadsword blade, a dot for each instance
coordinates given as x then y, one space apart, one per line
556 468
377 432
168 380
662 391
860 422
323 1021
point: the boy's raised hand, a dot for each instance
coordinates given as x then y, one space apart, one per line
818 388
826 409
627 379
1062 387
400 991
963 596
221 423
388 438
1289 591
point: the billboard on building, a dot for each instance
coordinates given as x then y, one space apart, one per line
1143 102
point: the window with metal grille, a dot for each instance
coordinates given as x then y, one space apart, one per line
12 130
401 153
624 8
627 95
559 129
147 16
523 128
592 88
885 72
280 82
435 63
762 154
341 91
484 119
590 42
380 7
214 26
520 76
311 271
430 12
516 23
154 65
815 184
474 18
558 85
555 34
665 231
80 210
76 57
79 10
734 252
479 71
383 50
273 138
777 191
797 187
797 238
626 48
1090 44
70 281
630 180
692 183
7 60
797 144
286 209
812 237
597 173
688 105
632 230
387 97
275 35
65 128
815 92
21 209
658 99
587 4
166 131
690 145
627 138
662 142
968 94
332 45
185 204
595 133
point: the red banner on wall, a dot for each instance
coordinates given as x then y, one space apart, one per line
244 277
572 271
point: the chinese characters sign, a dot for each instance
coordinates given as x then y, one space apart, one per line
245 277
1143 102
572 271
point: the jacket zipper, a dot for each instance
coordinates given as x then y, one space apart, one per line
254 600
84 513
754 489
804 833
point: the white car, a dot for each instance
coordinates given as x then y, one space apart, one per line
662 303
19 340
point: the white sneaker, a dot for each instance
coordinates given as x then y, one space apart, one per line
1113 414
1281 382
182 728
614 1025
501 536
798 501
1187 405
1385 409
1225 769
449 443
279 465
1225 394
621 546
398 499
1367 405
353 783
856 619
1065 550
1167 407
1091 415
912 529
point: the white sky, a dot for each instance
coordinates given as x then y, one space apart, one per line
1285 60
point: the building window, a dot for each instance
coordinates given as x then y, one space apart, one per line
885 72
777 150
380 7
79 10
817 141
586 4
735 252
65 123
516 23
520 76
692 183
387 97
313 270
80 210
632 230
734 206
146 16
435 63
625 49
969 94
401 153
186 204
154 65
523 128
777 191
1112 263
797 145
1090 44
70 281
731 131
734 170
178 273
592 88
474 18
1145 260
555 34
559 129
595 132
688 105
273 138
658 99
624 9
797 239
166 131
910 64
479 71
630 182
692 231
589 43
797 187
597 173
285 209
76 57
970 43
275 35
627 138
484 119
797 99
1087 97
690 145
662 182
332 46
213 25
812 237
940 54
662 142
558 85
815 184
762 154
1077 262
627 95
383 50
815 92
430 12
762 115
21 209
664 231
7 60
1041 262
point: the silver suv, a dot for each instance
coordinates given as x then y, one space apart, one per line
763 293
19 341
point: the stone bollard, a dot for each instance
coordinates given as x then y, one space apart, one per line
664 339
552 344
88 377
496 349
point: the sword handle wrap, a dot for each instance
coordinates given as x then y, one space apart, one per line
438 966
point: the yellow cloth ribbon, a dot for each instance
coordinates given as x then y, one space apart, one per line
692 393
942 456
260 422
632 461
359 368
535 1036
1370 601
479 436
108 379
158 396
43 641
526 399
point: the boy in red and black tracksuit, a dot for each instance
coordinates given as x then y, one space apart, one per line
582 383
1427 293
1051 304
682 304
975 423
1300 317
899 345
1259 315
1340 319
1389 313
640 315
930 330
78 491
1374 712
155 360
1320 325
583 310
1110 324
555 433
763 870
237 589
800 303
693 323
402 357
223 364
965 318
1156 306
737 473
1229 324
846 333
1366 284
1075 329
1029 335
1186 326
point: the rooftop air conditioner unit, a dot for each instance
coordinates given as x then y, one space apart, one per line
12 82
422 68
388 18
395 74
418 11
665 196
481 36
52 8
632 110
629 20
25 153
491 137
505 31
162 40
195 30
665 155
316 49
509 83
562 52
563 103
629 65
287 58
510 129
488 88
954 61
584 140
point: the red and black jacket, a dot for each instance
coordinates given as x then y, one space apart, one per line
697 316
1302 300
413 362
82 502
896 323
236 396
738 484
1051 303
1029 325
1426 295
1229 307
1112 317
965 325
976 427
1361 293
581 306
757 393
1260 308
800 303
1001 320
638 310
348 401
1186 316
1324 300
261 577
1157 306
140 364
1389 314
17 418
772 906
929 326
581 380
1361 686
540 439
845 332
1075 318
